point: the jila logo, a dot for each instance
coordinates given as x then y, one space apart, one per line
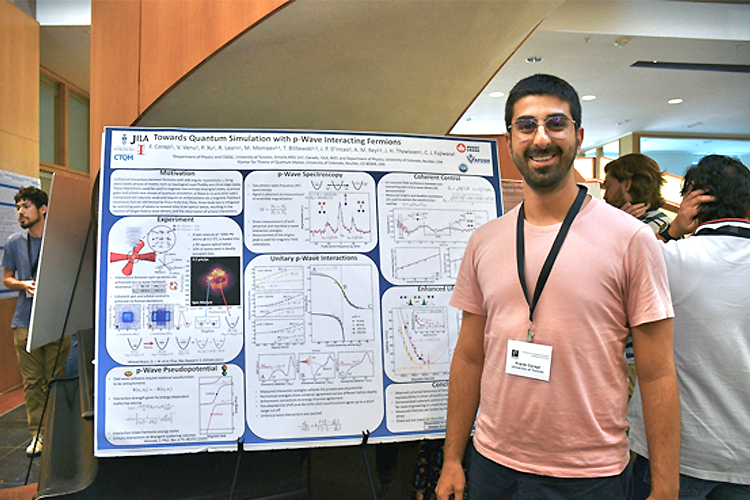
139 138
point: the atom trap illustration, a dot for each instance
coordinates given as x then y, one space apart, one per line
215 281
132 257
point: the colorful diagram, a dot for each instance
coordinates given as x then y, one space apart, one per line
421 333
320 211
164 286
340 216
132 257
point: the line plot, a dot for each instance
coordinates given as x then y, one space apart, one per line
216 405
317 366
416 263
276 367
279 331
273 278
421 342
340 217
436 224
341 299
356 364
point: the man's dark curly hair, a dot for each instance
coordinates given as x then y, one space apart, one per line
33 194
541 84
727 179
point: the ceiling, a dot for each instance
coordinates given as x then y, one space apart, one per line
576 42
417 66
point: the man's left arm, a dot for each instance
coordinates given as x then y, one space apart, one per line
657 379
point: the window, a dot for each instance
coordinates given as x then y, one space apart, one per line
63 126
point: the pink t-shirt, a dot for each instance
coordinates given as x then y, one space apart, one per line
609 275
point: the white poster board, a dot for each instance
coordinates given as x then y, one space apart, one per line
282 288
62 264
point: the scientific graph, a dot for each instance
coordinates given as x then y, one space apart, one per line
317 366
420 331
435 224
418 264
341 299
216 396
421 342
276 367
277 305
356 364
340 217
279 331
453 263
278 278
280 304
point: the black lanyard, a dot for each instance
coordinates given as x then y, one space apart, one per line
34 264
547 267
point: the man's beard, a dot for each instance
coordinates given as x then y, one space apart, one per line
549 178
29 222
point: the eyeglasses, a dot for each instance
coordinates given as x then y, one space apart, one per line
557 127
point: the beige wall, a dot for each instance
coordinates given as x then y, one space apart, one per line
19 137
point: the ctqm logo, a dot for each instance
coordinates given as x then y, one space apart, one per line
461 147
123 157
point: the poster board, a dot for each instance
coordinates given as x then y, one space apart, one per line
62 264
279 288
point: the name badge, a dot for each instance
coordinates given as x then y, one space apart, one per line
529 360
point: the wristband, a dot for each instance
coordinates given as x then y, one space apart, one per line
665 234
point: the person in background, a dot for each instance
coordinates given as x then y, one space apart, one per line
549 292
708 277
20 262
633 184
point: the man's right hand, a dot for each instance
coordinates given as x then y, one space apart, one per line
452 482
686 220
636 210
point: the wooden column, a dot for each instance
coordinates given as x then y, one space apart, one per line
19 138
142 48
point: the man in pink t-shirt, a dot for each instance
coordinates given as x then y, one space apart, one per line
549 292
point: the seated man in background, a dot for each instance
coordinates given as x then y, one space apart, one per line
633 184
708 277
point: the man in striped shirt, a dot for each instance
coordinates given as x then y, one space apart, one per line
633 184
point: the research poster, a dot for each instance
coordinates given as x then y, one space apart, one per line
277 289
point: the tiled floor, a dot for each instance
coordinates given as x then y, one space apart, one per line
14 438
